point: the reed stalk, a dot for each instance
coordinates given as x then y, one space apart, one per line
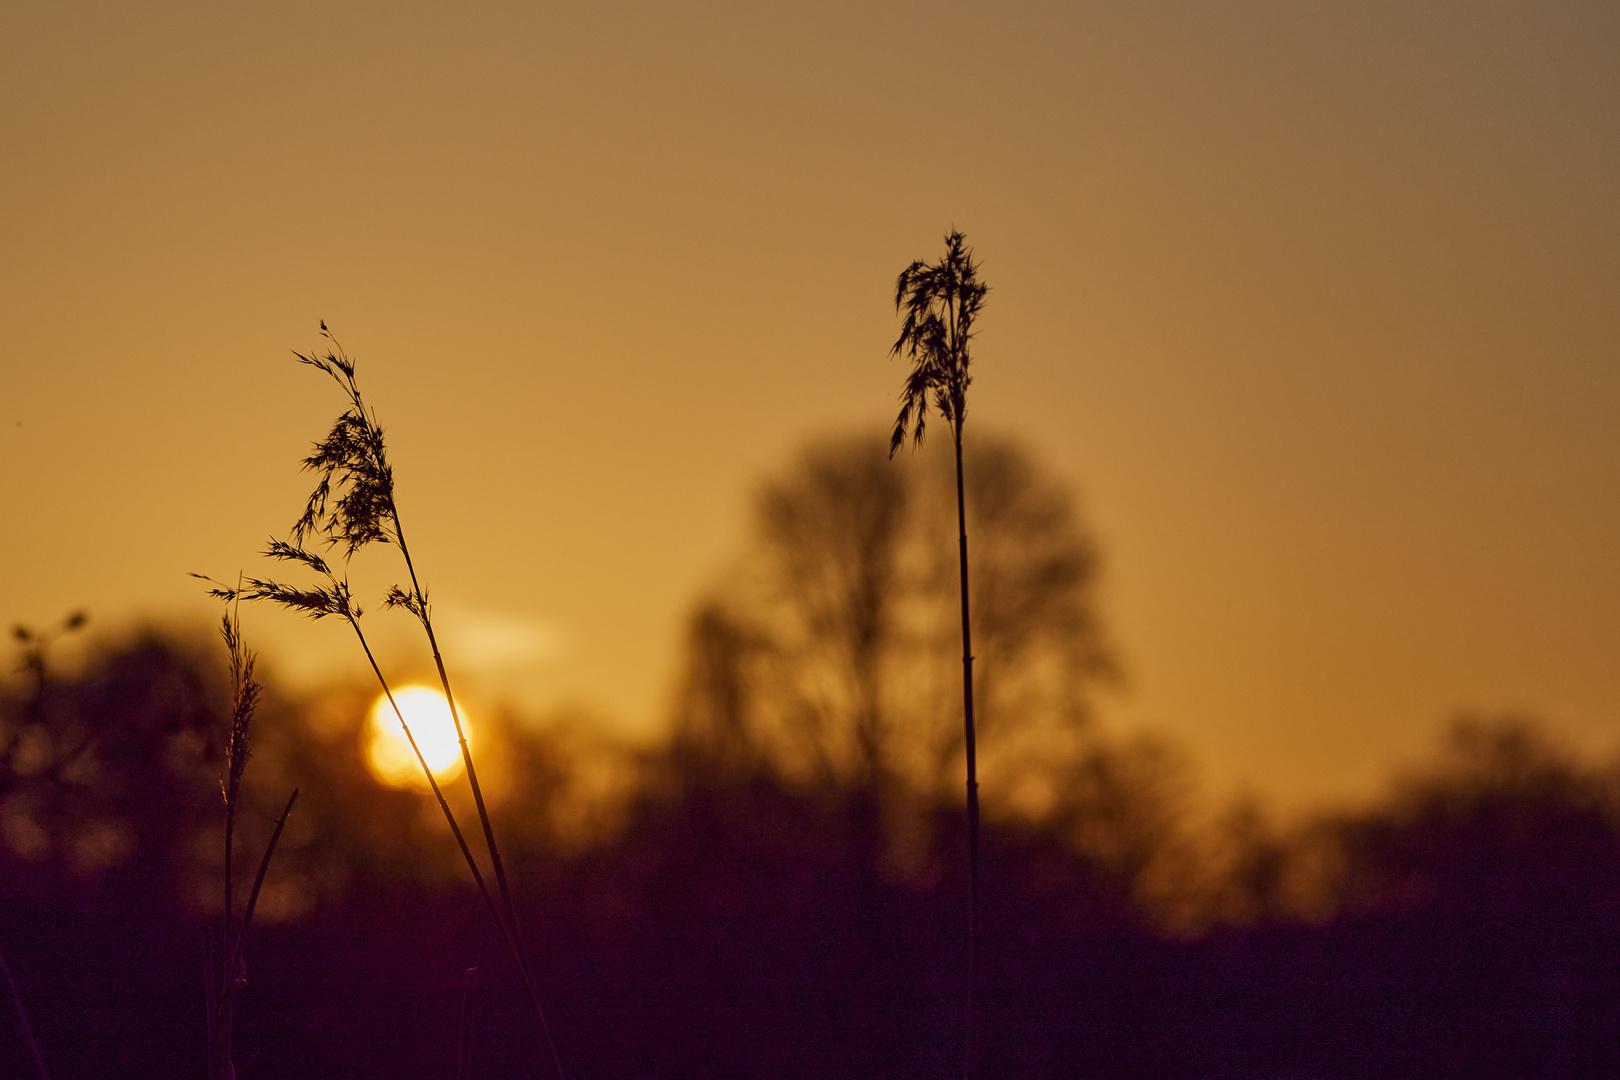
353 505
940 302
225 967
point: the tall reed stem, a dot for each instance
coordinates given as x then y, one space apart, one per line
514 947
940 302
433 784
353 505
466 753
970 1065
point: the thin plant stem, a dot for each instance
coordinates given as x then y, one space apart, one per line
455 828
461 738
230 828
221 1011
940 303
466 853
24 1030
354 456
244 700
515 939
258 879
957 339
970 1065
222 996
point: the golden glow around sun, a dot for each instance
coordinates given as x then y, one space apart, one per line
428 715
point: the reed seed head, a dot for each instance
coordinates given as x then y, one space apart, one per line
940 303
399 598
353 501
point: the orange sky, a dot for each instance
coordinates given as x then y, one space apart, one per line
1315 304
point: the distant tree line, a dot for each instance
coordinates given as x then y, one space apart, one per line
775 890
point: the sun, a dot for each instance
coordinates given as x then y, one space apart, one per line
428 715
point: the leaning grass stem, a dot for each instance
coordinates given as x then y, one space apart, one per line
221 1012
449 816
221 994
466 753
353 505
511 927
513 948
258 879
515 940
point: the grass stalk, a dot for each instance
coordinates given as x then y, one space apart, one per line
970 746
424 615
940 302
334 598
36 1064
444 806
258 878
512 928
225 966
353 505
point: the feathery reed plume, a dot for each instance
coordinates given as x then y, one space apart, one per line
940 303
351 506
244 700
225 971
335 598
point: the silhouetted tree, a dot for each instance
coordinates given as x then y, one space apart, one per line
817 660
1504 823
110 769
1123 809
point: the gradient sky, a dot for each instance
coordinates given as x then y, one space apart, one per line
1317 305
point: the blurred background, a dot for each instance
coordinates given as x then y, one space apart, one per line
1295 486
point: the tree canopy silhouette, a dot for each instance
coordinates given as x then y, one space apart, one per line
823 658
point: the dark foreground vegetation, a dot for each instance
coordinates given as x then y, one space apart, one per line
778 889
721 925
